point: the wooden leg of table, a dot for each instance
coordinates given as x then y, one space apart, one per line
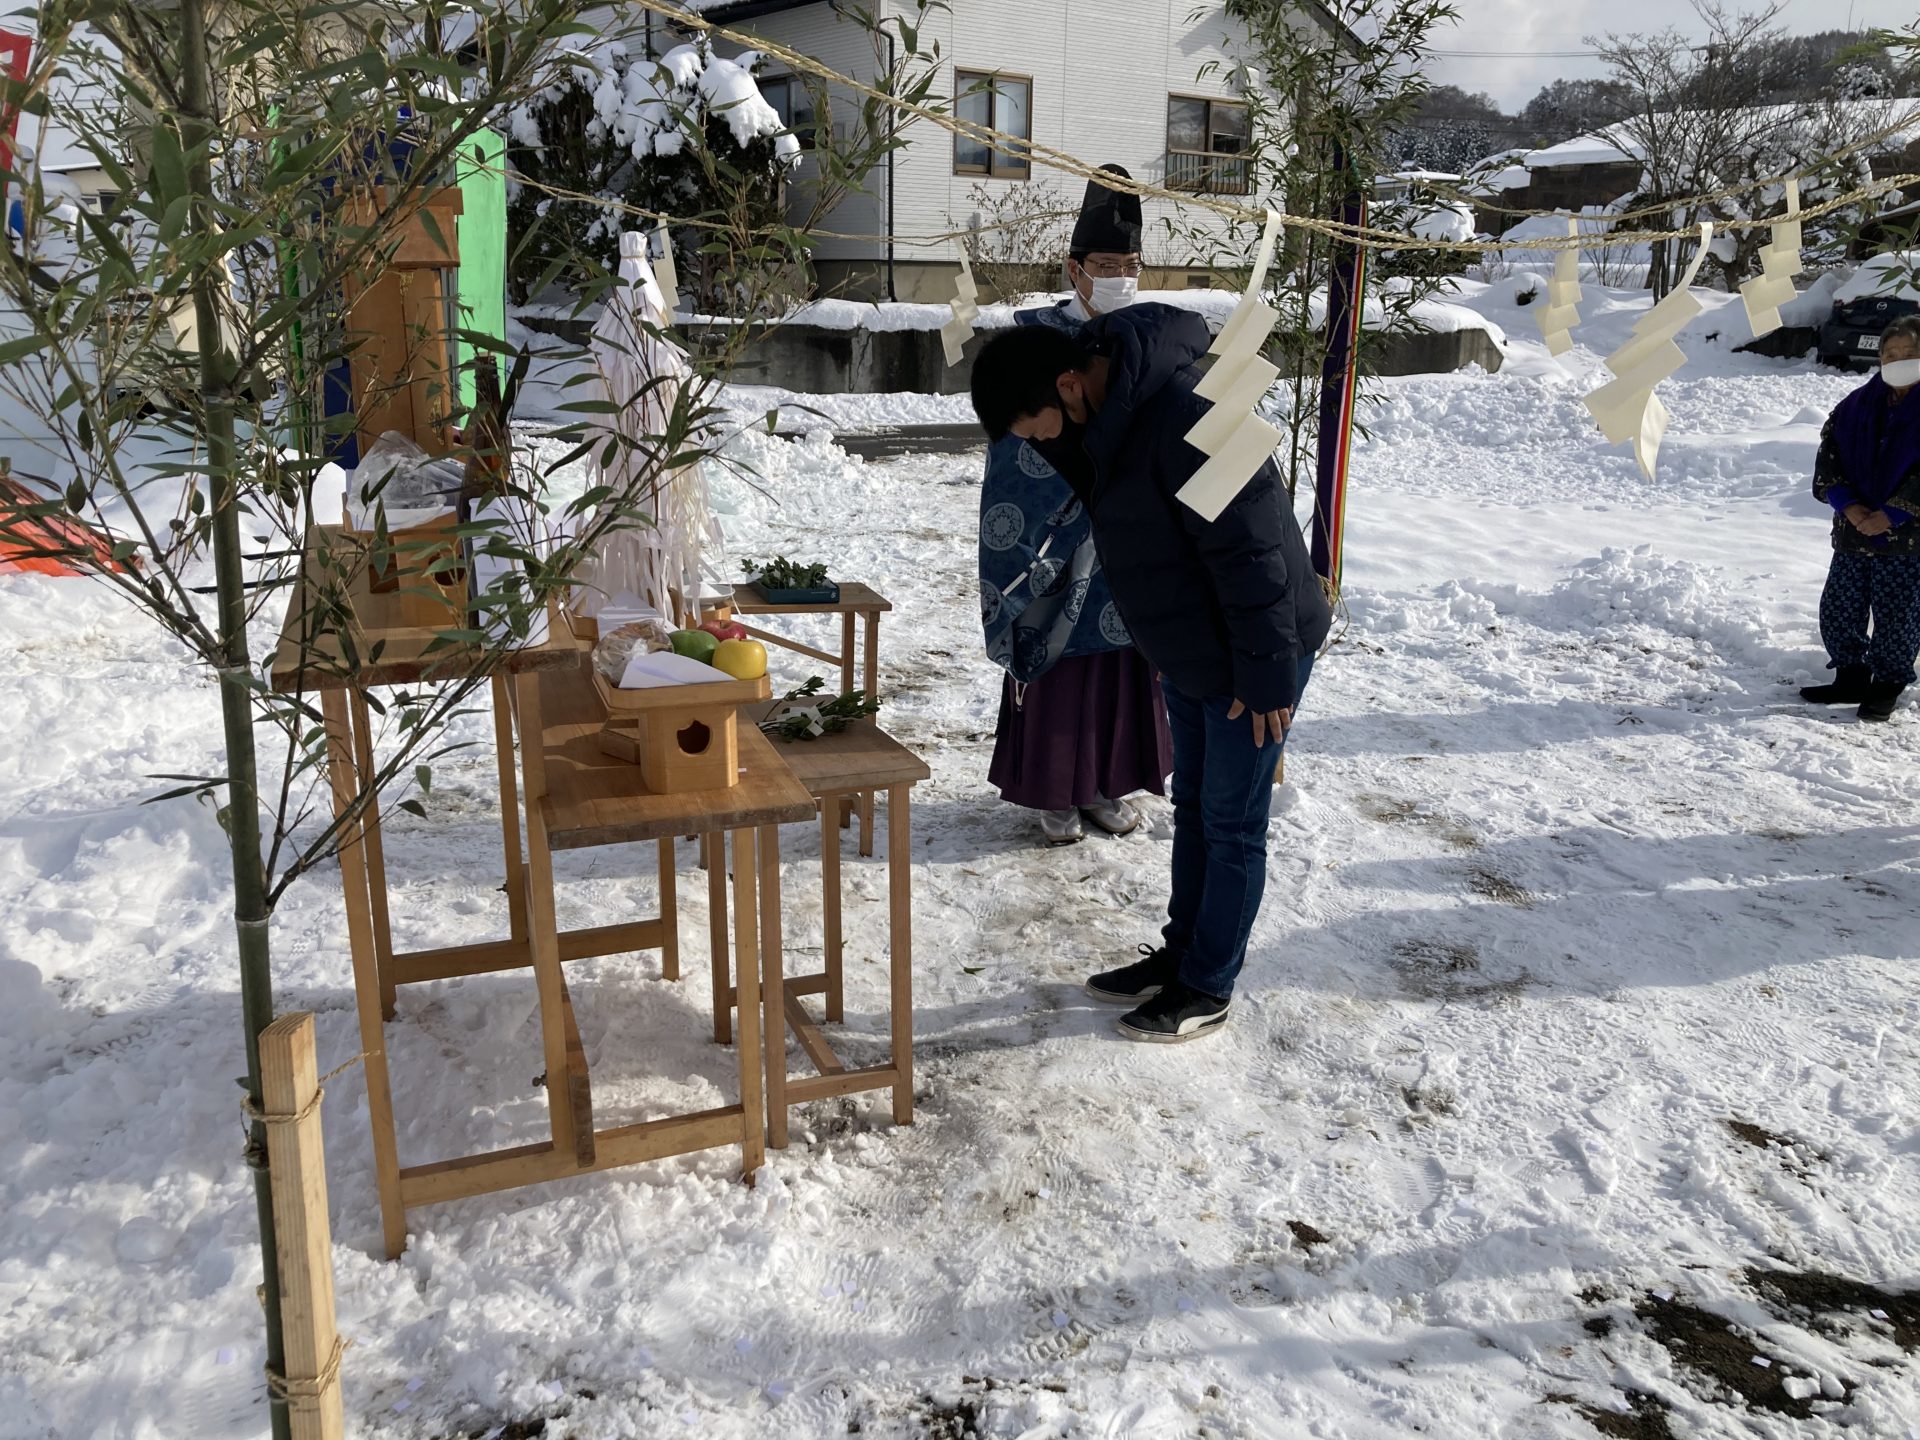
717 934
669 912
830 905
376 852
509 809
746 950
706 853
870 672
844 805
846 653
773 987
543 928
343 773
900 944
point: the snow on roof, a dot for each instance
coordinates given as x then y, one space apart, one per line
1616 145
1584 150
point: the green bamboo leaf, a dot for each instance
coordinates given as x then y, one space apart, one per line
12 351
169 167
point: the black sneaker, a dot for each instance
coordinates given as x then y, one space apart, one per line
1178 1013
1131 984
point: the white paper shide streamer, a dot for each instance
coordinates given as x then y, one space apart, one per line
966 309
1235 440
666 277
1779 263
1626 407
642 375
1562 310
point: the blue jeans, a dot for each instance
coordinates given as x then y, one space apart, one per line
1222 788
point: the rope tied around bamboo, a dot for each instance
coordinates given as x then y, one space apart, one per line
307 1394
271 1118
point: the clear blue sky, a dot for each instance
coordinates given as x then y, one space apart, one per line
1524 32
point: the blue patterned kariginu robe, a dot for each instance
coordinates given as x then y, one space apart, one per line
1042 596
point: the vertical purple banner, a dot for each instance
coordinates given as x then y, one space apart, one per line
1339 379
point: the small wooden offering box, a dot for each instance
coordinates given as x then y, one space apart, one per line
422 571
683 737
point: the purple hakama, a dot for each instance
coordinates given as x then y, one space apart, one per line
1093 727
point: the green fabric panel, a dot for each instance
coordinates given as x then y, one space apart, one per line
482 176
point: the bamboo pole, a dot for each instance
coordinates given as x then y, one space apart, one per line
198 128
309 1384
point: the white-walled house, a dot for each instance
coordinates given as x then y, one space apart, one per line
1153 85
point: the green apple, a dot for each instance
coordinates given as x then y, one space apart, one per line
697 644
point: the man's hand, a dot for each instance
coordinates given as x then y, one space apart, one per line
1268 722
1876 522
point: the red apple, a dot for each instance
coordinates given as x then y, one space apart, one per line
724 629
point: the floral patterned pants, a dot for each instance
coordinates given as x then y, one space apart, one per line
1877 593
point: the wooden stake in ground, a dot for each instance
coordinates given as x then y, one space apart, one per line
290 1080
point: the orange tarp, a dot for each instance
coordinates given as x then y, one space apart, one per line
46 545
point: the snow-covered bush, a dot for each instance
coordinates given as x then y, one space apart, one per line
688 134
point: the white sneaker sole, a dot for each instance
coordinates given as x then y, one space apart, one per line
1114 997
1160 1037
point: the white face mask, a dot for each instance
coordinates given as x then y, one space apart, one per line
1900 374
1111 293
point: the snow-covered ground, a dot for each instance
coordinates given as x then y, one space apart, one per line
1572 907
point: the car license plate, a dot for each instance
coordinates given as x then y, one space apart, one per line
1870 342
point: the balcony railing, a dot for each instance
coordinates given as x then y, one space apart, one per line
1207 173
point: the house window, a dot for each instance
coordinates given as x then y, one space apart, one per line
999 102
1207 146
793 103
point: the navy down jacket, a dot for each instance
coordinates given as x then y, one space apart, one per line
1222 609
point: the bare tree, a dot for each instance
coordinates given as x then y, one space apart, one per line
1698 114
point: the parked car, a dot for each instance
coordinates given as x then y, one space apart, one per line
1884 288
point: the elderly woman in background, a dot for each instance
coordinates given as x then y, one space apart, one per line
1868 470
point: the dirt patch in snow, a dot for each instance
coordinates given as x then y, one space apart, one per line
1644 1419
1393 810
1841 1306
1450 970
1721 1352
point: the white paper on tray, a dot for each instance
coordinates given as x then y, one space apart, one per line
662 667
362 517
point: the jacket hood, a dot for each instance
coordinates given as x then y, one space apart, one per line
1145 346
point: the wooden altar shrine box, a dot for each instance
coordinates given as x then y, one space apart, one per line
428 592
402 327
683 737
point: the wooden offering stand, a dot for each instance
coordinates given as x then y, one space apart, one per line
683 737
857 606
403 365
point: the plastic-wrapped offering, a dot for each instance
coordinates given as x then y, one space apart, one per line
636 637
